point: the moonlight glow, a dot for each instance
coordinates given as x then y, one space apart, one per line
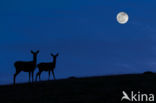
122 17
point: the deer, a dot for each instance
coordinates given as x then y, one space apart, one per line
48 67
26 66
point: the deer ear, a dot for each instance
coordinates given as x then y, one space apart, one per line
57 54
37 51
51 54
31 51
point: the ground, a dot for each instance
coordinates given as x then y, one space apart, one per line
102 89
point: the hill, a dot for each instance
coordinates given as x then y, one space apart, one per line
103 89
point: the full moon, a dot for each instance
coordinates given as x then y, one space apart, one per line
122 17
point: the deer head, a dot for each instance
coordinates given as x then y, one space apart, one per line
54 56
34 55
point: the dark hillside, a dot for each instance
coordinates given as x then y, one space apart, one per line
106 89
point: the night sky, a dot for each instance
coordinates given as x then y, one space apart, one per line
85 33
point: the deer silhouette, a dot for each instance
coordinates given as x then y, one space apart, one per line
26 66
49 67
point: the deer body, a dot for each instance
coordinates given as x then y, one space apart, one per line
47 67
26 66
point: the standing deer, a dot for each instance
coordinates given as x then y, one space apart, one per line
26 66
49 67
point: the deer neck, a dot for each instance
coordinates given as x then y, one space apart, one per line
34 60
54 62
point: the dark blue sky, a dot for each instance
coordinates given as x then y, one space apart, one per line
84 32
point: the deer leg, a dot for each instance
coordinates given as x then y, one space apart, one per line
49 75
32 76
17 72
53 74
37 75
29 76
